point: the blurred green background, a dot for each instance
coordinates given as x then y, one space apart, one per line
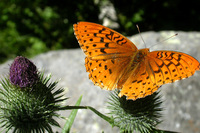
31 27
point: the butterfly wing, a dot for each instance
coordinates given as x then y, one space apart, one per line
158 68
106 73
107 53
100 42
170 66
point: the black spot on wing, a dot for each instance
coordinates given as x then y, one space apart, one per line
102 39
103 50
110 71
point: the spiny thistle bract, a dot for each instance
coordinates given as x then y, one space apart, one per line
31 109
140 115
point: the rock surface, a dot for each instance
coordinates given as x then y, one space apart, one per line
181 99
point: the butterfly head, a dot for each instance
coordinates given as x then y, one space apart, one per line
142 53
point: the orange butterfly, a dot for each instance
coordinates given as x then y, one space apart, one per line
113 61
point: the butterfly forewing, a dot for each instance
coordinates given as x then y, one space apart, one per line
99 42
170 66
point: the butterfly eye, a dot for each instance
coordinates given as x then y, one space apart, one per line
140 54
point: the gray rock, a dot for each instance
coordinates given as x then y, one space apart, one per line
181 99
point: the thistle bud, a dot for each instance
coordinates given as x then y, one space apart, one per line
23 72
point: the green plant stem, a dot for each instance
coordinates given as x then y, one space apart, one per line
106 118
164 131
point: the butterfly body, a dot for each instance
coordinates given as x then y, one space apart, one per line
136 59
113 61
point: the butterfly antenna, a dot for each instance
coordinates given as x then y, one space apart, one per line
165 39
141 35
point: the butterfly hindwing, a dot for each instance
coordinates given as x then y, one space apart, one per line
139 83
106 73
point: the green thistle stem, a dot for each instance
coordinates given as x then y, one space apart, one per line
163 131
106 118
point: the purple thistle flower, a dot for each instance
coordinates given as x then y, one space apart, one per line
23 72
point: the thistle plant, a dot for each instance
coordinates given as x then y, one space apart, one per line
141 115
28 101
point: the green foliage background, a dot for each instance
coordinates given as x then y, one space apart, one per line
31 27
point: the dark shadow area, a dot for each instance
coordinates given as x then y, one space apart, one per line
31 27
